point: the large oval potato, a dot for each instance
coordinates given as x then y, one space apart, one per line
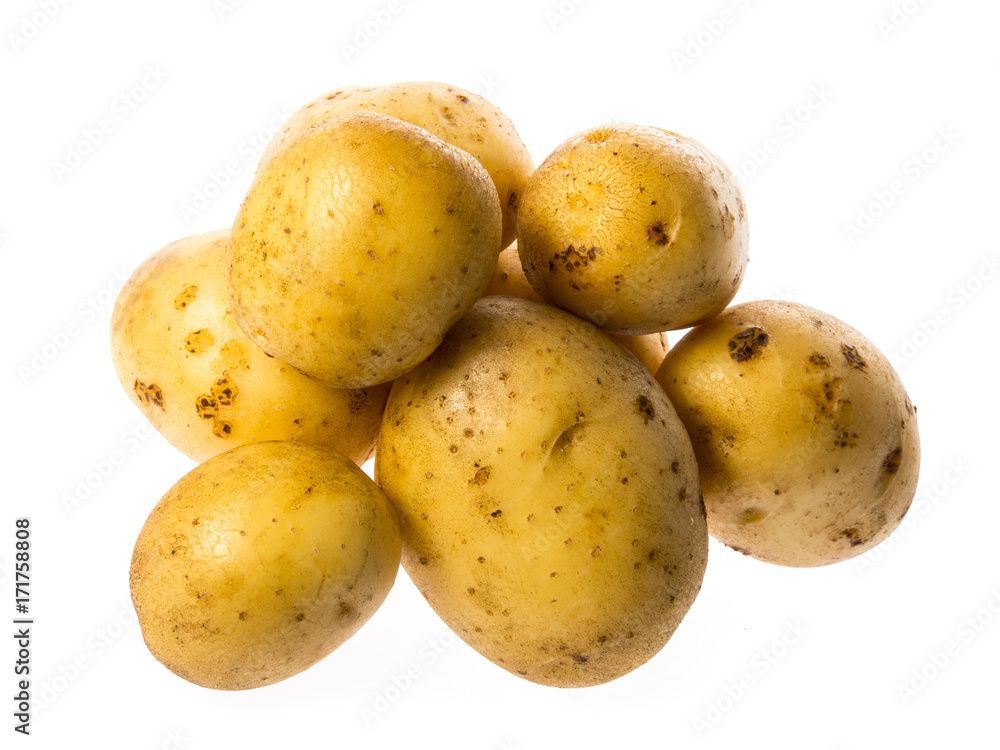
260 562
459 117
184 361
548 494
806 440
359 243
634 228
509 280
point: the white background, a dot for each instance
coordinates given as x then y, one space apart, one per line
821 107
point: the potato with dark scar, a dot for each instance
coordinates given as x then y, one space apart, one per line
806 440
634 228
260 562
548 494
184 361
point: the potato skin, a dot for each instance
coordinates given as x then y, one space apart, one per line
805 437
358 245
548 494
260 562
459 117
183 360
634 228
509 280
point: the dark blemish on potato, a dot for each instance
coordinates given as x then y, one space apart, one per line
345 609
422 561
820 360
471 590
568 541
777 492
300 617
512 199
243 615
377 208
288 230
531 517
277 592
752 515
372 255
468 433
893 460
624 480
553 574
683 493
481 476
462 98
453 449
579 658
496 514
149 394
481 559
675 467
747 344
572 257
185 298
853 358
656 233
423 516
645 407
853 535
652 555
222 429
595 552
224 391
558 509
845 439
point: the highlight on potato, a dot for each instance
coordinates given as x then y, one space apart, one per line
548 470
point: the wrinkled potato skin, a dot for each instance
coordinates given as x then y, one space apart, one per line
456 116
183 360
260 562
358 245
806 439
509 280
548 494
634 228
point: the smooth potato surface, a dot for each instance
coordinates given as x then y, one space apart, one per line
260 562
184 361
806 440
358 245
509 280
548 494
459 117
634 228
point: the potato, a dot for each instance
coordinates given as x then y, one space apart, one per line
203 384
806 440
358 245
459 117
260 562
509 280
634 228
548 494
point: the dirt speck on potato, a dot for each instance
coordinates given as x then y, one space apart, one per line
186 297
748 344
853 358
149 394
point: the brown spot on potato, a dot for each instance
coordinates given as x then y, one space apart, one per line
645 407
377 208
893 460
853 358
185 298
595 552
820 360
198 341
573 257
481 476
496 514
579 658
748 344
222 429
853 535
243 615
751 515
149 394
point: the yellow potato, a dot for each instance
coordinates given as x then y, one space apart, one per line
260 562
635 229
358 245
806 440
509 280
548 494
203 384
459 117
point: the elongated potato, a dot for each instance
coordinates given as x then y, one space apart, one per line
260 562
806 440
183 360
549 497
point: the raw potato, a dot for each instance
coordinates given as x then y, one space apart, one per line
358 245
548 494
260 562
203 384
459 117
509 280
806 440
634 228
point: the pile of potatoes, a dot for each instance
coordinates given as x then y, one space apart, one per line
400 274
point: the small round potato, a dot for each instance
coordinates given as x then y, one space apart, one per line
203 384
634 228
360 242
456 116
509 281
260 562
806 441
547 492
